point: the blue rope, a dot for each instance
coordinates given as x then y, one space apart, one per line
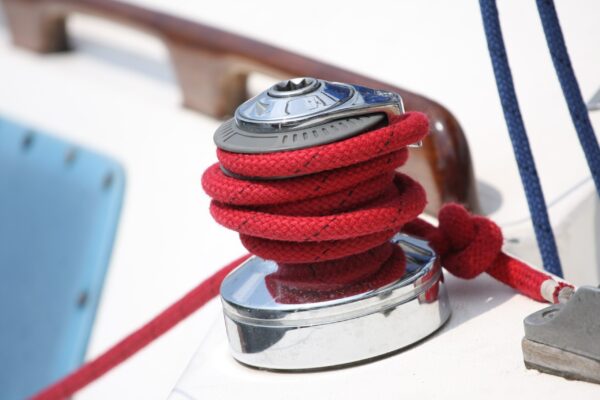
518 137
570 87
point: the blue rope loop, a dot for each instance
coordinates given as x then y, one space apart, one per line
518 137
570 87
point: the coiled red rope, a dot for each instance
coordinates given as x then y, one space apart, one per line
328 226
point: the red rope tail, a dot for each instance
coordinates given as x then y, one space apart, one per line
519 276
140 338
328 227
470 245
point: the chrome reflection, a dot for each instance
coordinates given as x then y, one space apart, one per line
268 328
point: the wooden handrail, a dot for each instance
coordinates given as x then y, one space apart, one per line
212 67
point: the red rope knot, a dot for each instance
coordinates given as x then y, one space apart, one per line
472 243
329 222
328 227
468 244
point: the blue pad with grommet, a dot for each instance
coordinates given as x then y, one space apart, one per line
59 210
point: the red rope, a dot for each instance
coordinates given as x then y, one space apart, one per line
328 227
140 338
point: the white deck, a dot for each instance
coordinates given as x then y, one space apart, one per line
117 95
476 355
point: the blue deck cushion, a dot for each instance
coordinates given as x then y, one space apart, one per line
59 209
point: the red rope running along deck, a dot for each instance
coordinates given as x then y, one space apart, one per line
326 214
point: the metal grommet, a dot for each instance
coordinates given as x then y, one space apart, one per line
267 333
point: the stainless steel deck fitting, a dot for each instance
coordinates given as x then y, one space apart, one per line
266 333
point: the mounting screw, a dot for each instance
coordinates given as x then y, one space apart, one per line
70 156
82 299
27 140
108 181
550 314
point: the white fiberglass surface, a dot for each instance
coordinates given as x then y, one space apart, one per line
117 94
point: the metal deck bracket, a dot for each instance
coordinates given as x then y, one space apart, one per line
564 339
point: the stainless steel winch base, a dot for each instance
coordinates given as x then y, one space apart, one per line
265 334
341 343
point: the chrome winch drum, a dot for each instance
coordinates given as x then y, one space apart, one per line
267 330
265 333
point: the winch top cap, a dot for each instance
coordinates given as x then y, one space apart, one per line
305 112
290 102
293 87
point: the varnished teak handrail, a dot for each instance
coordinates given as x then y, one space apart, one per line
212 67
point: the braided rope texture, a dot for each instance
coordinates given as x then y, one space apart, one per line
570 87
329 229
470 245
518 137
140 338
328 225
